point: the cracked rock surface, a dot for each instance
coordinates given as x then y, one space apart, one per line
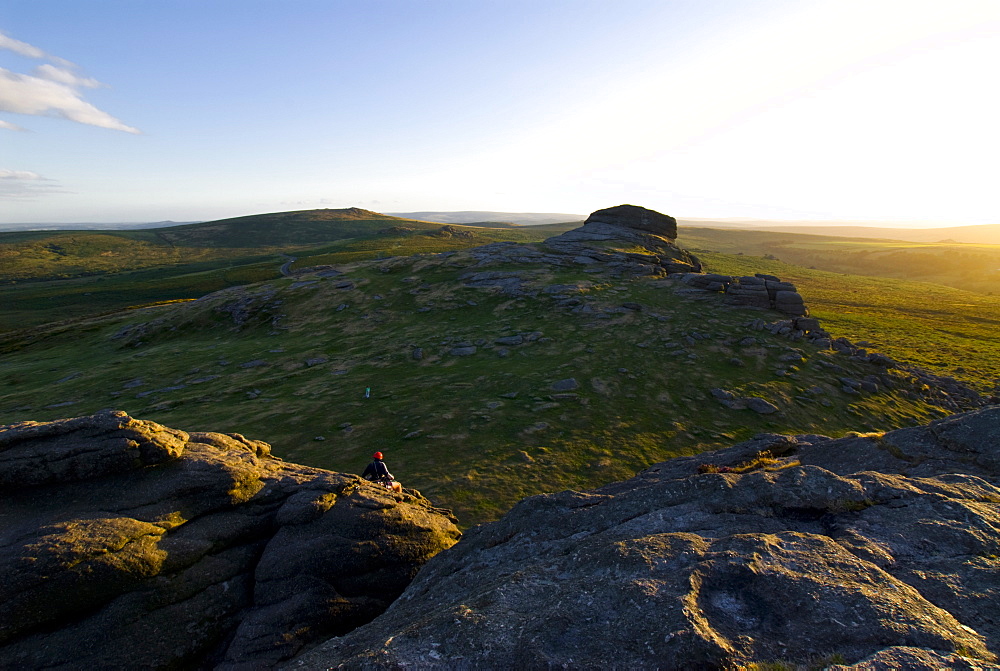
869 550
126 544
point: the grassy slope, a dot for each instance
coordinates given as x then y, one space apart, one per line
485 430
50 276
61 254
963 266
945 330
297 228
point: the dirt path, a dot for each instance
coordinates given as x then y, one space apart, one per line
286 267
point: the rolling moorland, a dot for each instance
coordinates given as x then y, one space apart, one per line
979 234
972 267
477 396
47 275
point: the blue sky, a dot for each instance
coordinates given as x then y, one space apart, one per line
844 109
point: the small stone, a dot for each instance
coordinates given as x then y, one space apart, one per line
761 406
567 384
509 340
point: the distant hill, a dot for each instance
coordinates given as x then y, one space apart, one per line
983 234
482 217
85 226
299 227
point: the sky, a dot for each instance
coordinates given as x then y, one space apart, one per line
184 110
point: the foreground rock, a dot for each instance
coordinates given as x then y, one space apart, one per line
126 544
795 549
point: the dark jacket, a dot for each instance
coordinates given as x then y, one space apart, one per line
377 471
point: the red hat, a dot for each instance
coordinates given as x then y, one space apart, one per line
377 455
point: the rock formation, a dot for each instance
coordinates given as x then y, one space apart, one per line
634 218
610 235
759 291
798 549
126 544
632 240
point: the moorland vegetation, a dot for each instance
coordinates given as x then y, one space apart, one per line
972 267
478 396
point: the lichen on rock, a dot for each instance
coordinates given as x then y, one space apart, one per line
782 548
127 544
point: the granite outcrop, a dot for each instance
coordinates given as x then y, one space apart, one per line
127 544
862 551
624 234
758 291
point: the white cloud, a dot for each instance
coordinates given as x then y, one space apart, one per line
66 76
25 185
53 90
26 94
21 48
9 126
19 174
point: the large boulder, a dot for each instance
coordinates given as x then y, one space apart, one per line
126 544
636 218
782 549
765 291
627 235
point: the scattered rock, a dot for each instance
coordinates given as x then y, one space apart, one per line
761 406
568 384
536 427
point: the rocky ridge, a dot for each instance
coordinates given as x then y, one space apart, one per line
877 551
625 240
600 244
127 544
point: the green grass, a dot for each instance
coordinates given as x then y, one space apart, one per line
51 276
946 330
486 430
972 267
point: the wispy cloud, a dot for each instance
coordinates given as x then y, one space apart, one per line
22 48
52 90
25 185
66 76
9 126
